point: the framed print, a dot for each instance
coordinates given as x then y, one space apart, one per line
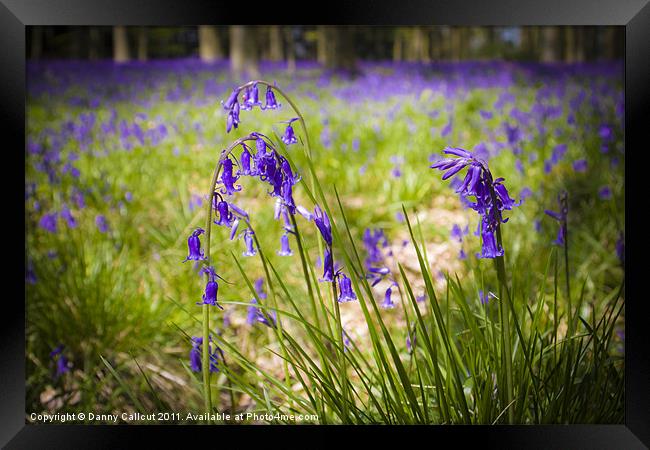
374 215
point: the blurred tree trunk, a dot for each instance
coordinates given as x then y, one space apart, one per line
436 44
445 42
340 49
94 42
568 44
589 43
244 53
490 43
456 43
578 44
411 47
321 44
551 44
420 45
120 45
143 41
276 44
209 45
398 44
291 50
530 43
36 47
611 43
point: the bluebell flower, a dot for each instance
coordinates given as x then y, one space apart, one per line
245 99
345 284
228 179
606 132
211 288
304 212
491 195
250 244
30 275
67 215
605 193
225 216
620 248
388 301
580 165
561 217
196 361
328 266
48 222
490 248
271 102
447 129
253 98
102 223
238 211
289 137
233 118
60 360
245 160
195 354
255 315
259 283
519 166
346 341
411 339
457 233
322 221
233 228
285 249
558 153
232 99
194 246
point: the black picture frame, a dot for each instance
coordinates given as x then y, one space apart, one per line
634 15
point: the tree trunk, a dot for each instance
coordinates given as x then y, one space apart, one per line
36 47
244 58
143 41
456 43
120 45
610 43
291 50
209 45
578 44
321 44
550 44
276 44
94 42
436 48
340 49
425 44
397 45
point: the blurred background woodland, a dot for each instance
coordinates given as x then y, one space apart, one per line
335 47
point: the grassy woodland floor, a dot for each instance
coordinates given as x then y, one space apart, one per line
118 167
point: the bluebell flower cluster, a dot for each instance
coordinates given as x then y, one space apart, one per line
491 196
250 99
330 274
214 352
376 267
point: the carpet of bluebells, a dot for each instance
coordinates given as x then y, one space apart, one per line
420 177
